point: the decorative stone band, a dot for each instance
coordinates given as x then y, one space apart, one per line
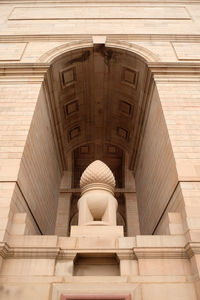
35 72
28 252
23 72
159 253
96 297
97 186
123 254
192 249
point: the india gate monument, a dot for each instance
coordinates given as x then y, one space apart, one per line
100 149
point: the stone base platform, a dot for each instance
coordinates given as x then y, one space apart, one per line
97 231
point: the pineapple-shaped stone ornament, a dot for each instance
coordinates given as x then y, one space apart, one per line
97 205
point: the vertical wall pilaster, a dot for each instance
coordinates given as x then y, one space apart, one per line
63 214
30 168
132 219
180 98
17 105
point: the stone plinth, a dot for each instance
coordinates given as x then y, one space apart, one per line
97 231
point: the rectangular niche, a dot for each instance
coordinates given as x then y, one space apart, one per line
96 265
96 297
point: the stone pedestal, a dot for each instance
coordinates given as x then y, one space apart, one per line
97 231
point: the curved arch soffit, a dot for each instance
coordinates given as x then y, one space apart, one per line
71 149
56 53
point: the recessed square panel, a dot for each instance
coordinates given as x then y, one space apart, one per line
125 107
129 76
84 149
74 132
68 76
122 133
70 92
111 149
71 107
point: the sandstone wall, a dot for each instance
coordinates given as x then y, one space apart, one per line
156 176
39 176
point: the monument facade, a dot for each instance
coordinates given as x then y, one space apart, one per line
99 149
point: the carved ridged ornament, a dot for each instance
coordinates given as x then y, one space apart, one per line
97 205
97 172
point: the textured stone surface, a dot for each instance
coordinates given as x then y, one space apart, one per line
133 103
97 172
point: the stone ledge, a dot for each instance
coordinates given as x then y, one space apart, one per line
185 252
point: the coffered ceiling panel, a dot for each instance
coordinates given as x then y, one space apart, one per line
98 99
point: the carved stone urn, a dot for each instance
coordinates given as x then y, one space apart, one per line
97 205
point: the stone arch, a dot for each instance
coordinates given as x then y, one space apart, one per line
132 79
105 94
101 94
53 54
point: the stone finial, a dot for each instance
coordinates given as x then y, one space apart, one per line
97 172
97 205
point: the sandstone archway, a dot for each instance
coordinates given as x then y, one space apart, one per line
99 100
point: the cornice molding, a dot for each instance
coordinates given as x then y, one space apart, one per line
186 252
159 253
20 72
192 249
98 2
187 38
4 249
175 72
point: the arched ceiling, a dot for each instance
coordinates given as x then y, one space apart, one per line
98 98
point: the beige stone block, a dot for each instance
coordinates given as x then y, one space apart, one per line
67 242
4 235
101 26
193 223
187 51
100 279
193 235
188 171
3 223
66 180
95 242
34 50
195 264
100 12
127 242
113 285
97 231
197 288
30 279
64 268
9 169
11 51
168 291
164 267
159 279
99 39
176 229
160 241
174 218
128 267
163 49
26 266
18 229
24 291
18 224
33 241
